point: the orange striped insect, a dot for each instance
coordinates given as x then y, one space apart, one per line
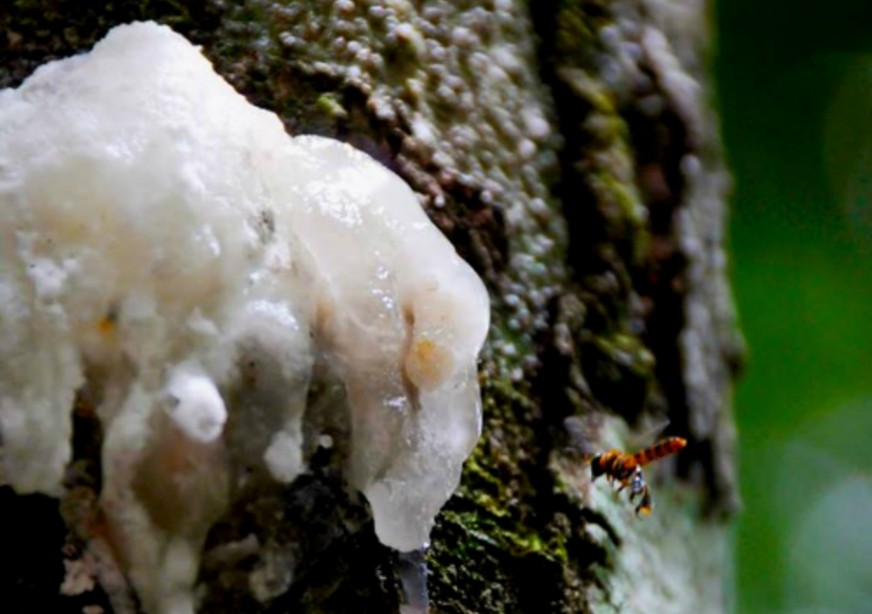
626 469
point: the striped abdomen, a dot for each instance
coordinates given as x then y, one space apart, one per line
659 450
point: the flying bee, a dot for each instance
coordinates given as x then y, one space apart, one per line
626 469
621 467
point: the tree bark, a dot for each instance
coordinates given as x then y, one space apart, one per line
567 149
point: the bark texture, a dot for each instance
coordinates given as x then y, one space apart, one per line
567 149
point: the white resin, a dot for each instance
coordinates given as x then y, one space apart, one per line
154 228
196 406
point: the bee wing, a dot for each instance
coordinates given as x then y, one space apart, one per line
582 434
648 431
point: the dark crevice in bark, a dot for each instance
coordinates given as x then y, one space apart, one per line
632 278
660 143
604 241
36 31
32 535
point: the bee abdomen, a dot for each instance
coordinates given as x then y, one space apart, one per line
664 448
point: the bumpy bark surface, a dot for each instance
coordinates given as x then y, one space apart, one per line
567 150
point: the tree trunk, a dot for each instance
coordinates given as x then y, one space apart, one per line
567 150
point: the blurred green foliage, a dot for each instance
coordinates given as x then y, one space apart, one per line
795 90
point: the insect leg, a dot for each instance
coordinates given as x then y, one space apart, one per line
637 483
645 505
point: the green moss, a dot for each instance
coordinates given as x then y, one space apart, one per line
505 517
514 568
329 106
576 27
514 539
629 351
